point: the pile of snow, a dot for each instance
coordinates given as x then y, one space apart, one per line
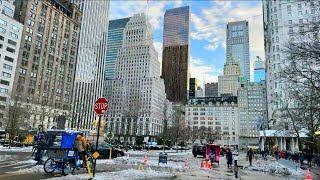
33 169
277 168
157 152
5 157
16 149
136 161
130 174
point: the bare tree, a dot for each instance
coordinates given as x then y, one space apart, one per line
300 72
15 116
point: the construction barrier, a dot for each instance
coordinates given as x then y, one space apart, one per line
308 175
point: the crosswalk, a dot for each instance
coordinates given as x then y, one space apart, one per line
13 165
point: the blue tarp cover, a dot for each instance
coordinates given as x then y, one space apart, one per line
68 139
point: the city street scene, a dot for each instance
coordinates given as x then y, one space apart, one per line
160 89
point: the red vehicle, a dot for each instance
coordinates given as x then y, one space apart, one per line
216 152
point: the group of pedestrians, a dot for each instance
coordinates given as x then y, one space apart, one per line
233 157
312 159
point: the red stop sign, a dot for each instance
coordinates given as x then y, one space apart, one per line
101 106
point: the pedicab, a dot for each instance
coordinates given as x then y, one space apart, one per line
215 149
64 157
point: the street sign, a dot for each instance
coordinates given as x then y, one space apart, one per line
101 106
95 155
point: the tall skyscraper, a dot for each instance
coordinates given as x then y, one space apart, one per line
10 38
89 76
47 59
115 40
238 45
193 87
283 22
259 71
228 83
175 56
211 89
137 95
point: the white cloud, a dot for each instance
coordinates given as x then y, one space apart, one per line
211 47
204 73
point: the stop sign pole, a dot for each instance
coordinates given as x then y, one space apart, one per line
100 107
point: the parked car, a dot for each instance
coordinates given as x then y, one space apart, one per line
199 150
104 151
176 147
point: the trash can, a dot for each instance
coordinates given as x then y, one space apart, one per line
163 158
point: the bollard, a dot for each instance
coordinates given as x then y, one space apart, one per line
88 167
110 155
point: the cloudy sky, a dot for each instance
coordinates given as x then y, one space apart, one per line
208 29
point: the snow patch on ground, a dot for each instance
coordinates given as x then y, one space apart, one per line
16 149
30 161
130 174
137 161
33 169
277 168
6 157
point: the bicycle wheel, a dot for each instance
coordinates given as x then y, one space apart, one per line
49 166
67 168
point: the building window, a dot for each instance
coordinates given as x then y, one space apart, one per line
15 28
5 74
3 30
33 7
14 35
23 71
29 30
8 59
4 90
8 10
10 50
4 82
12 42
289 21
7 66
28 38
30 22
3 22
33 15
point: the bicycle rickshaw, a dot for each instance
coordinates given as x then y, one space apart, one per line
64 157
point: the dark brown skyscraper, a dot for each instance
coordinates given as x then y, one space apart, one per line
175 57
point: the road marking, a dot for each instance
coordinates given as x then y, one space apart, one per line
22 166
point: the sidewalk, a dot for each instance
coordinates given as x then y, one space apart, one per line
315 173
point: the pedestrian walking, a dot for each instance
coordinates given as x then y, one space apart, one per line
235 158
250 155
40 149
301 159
235 169
276 153
309 159
229 158
314 157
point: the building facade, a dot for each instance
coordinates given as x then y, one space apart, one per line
137 94
211 89
238 45
175 56
91 56
228 83
259 71
214 118
47 59
193 84
10 38
252 109
115 40
283 22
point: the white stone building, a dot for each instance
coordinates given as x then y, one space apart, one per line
228 83
10 38
89 77
252 106
283 22
136 96
214 118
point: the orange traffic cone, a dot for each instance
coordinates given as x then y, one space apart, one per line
145 159
308 175
186 164
208 164
201 164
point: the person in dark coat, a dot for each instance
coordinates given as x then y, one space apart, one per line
301 159
309 159
229 158
250 155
